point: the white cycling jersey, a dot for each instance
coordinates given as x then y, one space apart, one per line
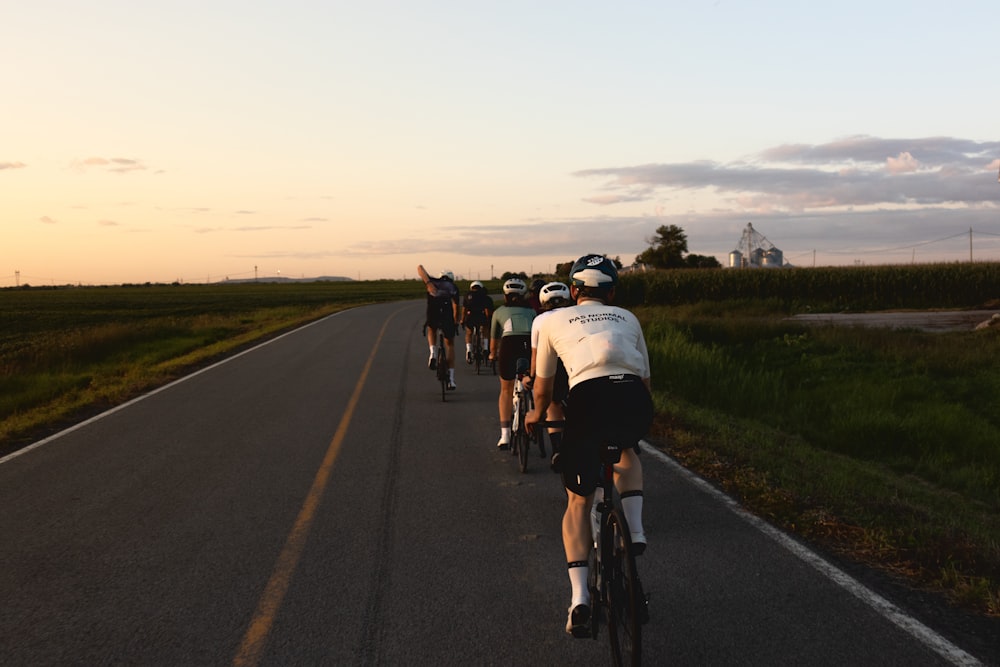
593 340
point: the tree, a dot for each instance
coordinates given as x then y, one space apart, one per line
666 249
693 261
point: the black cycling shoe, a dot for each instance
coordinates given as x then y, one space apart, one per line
578 623
432 364
555 464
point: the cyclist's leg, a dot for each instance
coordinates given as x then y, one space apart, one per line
431 327
505 405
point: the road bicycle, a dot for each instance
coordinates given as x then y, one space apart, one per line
522 406
615 588
524 402
479 355
441 364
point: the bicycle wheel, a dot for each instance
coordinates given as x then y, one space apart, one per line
521 440
442 371
624 594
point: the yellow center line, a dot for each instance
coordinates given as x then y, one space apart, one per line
270 602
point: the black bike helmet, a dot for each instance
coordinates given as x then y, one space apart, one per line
594 271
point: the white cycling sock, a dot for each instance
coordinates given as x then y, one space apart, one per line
468 347
579 572
431 348
632 506
451 375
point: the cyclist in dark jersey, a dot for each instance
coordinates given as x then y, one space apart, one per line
477 311
609 404
442 313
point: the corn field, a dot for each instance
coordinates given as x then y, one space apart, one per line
966 285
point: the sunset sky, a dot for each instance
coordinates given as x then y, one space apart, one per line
199 141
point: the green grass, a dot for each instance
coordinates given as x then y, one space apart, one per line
893 434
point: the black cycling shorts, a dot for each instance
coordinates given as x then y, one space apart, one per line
604 416
473 320
512 348
443 322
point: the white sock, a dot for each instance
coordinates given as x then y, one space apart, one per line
451 377
632 506
578 580
505 433
431 348
468 347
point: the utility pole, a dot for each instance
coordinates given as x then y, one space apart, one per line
970 244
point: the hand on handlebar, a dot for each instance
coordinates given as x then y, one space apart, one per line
531 420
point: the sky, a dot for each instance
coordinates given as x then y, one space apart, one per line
197 141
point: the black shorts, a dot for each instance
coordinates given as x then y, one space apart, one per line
560 385
512 348
443 322
604 417
473 320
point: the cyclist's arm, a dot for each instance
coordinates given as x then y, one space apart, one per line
431 287
543 398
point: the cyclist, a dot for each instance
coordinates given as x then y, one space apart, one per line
477 311
551 296
442 313
609 401
510 334
534 294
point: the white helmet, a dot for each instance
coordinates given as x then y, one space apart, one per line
553 291
476 285
445 273
515 286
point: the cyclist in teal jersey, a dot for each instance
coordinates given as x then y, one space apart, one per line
510 340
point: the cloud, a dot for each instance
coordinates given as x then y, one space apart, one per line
107 223
47 220
12 165
852 172
115 165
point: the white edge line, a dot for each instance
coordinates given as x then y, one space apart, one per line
56 436
925 635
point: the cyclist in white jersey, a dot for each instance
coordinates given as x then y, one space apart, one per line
551 296
609 403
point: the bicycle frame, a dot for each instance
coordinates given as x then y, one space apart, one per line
523 402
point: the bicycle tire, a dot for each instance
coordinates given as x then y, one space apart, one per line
623 593
442 373
522 449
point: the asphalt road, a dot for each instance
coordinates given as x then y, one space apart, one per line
313 501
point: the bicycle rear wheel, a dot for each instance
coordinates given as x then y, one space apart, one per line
442 373
624 594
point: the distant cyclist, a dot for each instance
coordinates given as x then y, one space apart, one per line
609 401
510 340
552 296
477 313
534 294
442 313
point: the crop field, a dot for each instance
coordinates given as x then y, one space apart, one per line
67 351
